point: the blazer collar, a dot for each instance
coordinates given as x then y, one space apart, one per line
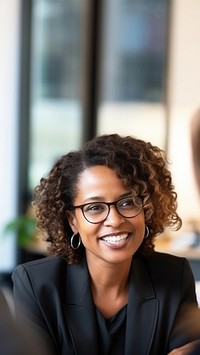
80 310
142 310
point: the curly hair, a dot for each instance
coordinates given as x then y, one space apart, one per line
141 166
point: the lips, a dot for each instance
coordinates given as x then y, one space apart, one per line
115 239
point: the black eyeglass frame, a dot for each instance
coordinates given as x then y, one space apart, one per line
108 204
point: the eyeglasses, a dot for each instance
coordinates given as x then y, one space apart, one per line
97 212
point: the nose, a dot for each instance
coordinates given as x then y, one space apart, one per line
114 219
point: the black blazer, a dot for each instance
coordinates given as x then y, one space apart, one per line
57 301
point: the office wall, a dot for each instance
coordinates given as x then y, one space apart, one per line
9 89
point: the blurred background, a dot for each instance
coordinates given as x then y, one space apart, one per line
74 69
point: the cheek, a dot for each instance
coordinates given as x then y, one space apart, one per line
139 225
139 221
87 231
84 228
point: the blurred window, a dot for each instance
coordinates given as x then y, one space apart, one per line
131 68
133 61
56 57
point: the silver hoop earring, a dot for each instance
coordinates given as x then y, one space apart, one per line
77 245
146 234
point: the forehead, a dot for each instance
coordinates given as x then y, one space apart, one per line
99 181
98 174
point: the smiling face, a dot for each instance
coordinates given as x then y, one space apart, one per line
117 238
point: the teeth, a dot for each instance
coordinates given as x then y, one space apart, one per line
115 238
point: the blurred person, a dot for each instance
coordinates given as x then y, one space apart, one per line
195 148
195 144
104 289
14 339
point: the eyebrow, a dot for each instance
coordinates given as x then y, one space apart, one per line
101 199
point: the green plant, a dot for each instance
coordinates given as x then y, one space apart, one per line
25 228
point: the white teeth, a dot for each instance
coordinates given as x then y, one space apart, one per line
115 238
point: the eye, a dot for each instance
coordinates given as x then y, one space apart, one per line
93 208
126 203
130 203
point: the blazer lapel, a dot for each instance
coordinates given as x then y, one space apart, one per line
142 311
80 311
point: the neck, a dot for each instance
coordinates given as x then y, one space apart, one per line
109 282
106 275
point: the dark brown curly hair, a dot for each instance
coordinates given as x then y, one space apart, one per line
140 165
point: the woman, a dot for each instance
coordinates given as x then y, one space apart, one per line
105 290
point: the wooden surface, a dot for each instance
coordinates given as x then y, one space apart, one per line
175 247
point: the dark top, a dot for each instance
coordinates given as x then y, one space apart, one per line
55 299
111 333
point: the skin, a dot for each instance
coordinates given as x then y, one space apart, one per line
108 263
100 183
185 349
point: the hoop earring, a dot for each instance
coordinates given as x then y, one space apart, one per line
72 241
146 234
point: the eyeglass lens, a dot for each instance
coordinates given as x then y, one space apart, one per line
97 212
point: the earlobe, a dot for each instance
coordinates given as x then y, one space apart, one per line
72 220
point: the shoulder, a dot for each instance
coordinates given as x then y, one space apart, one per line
164 266
49 270
44 277
166 272
165 258
169 266
46 265
46 262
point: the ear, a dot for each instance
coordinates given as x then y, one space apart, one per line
72 221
